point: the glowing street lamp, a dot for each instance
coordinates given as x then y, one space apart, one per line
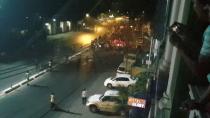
49 28
87 15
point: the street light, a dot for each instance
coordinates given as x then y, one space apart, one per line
49 28
150 51
87 15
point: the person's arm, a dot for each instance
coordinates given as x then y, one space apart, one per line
189 61
181 38
188 51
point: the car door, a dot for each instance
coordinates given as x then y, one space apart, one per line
118 81
124 81
114 105
104 104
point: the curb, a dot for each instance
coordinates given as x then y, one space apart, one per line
23 82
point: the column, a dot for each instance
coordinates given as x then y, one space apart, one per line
166 101
168 49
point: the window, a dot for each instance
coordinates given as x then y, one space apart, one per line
116 100
121 68
118 79
124 79
106 98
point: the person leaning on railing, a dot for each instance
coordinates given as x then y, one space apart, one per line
200 65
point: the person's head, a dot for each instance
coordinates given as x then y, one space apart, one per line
202 9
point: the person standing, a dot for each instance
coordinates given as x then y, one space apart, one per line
202 8
200 66
52 101
50 65
84 96
27 77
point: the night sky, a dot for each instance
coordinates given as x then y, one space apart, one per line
13 13
15 10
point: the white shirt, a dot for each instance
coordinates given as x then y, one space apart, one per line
27 74
52 98
49 63
84 93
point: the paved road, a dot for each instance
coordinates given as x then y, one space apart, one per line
14 72
66 81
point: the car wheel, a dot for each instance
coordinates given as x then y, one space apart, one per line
93 108
109 85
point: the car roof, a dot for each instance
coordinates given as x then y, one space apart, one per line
123 75
111 93
132 54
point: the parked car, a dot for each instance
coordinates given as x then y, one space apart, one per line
120 80
110 101
126 66
123 68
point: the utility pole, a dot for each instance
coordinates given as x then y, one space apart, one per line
150 51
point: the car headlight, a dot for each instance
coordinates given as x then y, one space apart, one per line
105 83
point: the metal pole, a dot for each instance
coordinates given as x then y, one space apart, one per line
150 50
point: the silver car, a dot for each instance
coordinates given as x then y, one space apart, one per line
110 101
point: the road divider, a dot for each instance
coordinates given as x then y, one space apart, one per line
25 81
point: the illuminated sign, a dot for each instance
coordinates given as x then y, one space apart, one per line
137 102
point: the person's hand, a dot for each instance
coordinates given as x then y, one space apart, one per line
178 35
175 40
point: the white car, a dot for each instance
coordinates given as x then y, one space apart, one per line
123 68
110 101
120 80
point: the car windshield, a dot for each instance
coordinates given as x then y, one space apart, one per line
112 78
121 68
133 78
101 97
